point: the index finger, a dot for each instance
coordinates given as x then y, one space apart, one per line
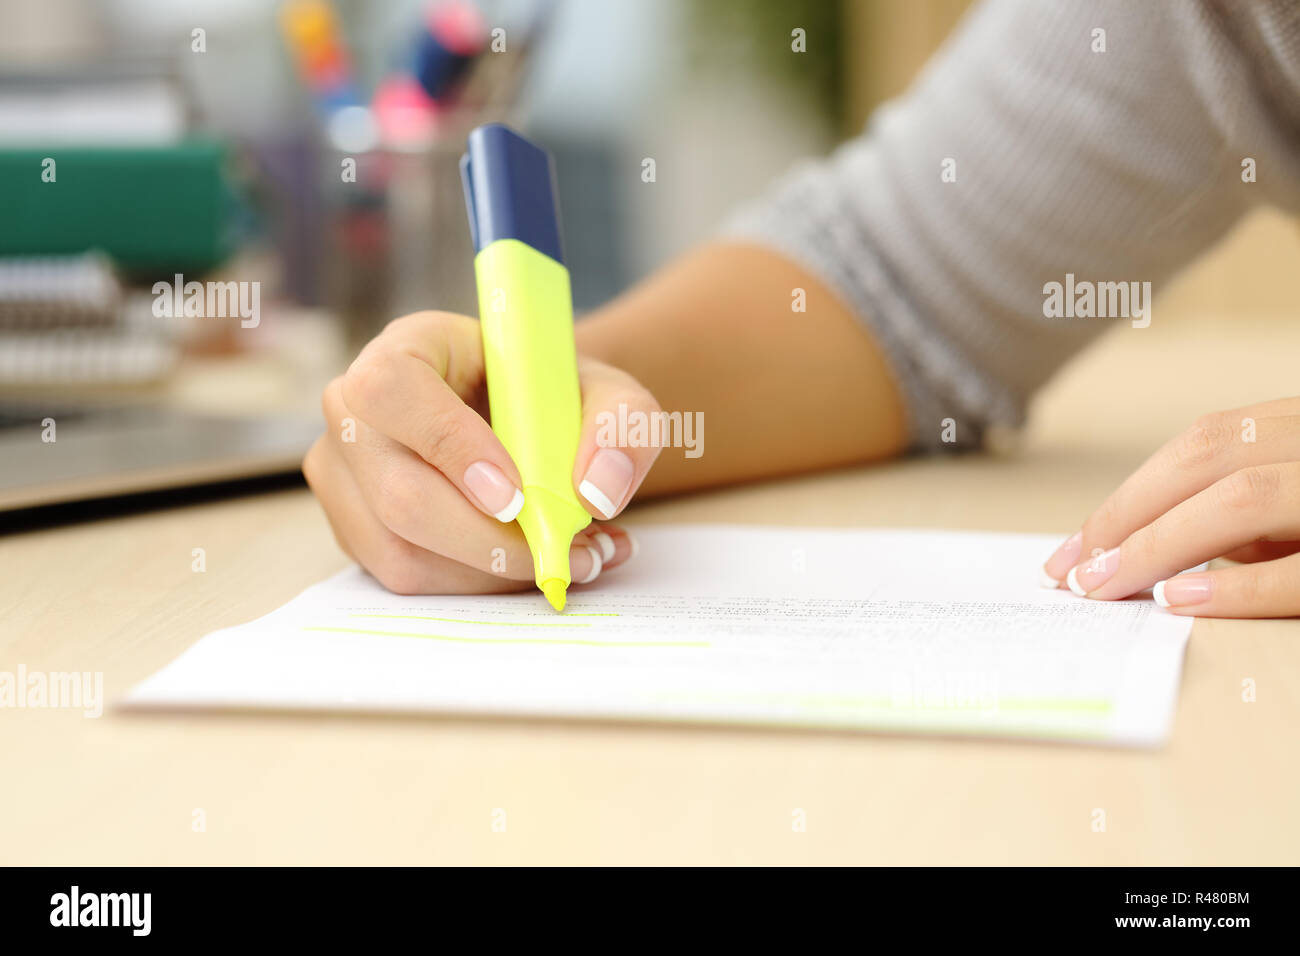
408 384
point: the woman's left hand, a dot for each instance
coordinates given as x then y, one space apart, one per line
1227 487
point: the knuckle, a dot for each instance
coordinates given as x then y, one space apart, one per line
1144 545
311 464
1211 437
365 382
331 401
1097 527
397 506
446 437
397 570
403 322
417 322
1248 490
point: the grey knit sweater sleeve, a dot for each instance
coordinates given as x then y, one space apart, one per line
1109 166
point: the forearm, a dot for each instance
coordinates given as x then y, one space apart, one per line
781 391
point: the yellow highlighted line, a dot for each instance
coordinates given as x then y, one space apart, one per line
573 642
458 620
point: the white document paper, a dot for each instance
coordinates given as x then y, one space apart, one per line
901 631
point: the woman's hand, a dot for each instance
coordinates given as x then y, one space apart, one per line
419 490
1227 487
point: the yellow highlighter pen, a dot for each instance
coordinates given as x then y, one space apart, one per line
526 315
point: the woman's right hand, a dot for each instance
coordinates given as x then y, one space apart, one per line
420 491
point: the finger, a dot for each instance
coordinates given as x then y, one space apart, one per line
1215 447
314 471
592 563
1268 589
396 563
421 505
410 384
621 438
417 503
1261 502
1263 551
617 545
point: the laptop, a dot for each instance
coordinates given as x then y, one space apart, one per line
104 452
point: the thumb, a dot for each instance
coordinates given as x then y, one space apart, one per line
621 438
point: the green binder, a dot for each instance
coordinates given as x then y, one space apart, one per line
152 209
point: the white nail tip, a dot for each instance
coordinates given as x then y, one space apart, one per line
597 498
1045 580
1158 592
1072 579
596 565
511 511
606 545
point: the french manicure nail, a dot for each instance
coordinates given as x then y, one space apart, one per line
1085 578
1062 559
1182 590
608 478
581 564
596 565
606 544
494 491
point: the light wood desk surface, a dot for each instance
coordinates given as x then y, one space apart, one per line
118 596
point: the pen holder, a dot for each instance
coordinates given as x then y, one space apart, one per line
397 240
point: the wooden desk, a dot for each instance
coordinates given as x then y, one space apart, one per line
118 596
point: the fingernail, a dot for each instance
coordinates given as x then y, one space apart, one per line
1083 579
585 563
1183 590
606 544
1062 559
607 480
494 490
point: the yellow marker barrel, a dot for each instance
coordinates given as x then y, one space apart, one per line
526 314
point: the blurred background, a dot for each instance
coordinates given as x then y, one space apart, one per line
308 149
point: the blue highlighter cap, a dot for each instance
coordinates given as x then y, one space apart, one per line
510 191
